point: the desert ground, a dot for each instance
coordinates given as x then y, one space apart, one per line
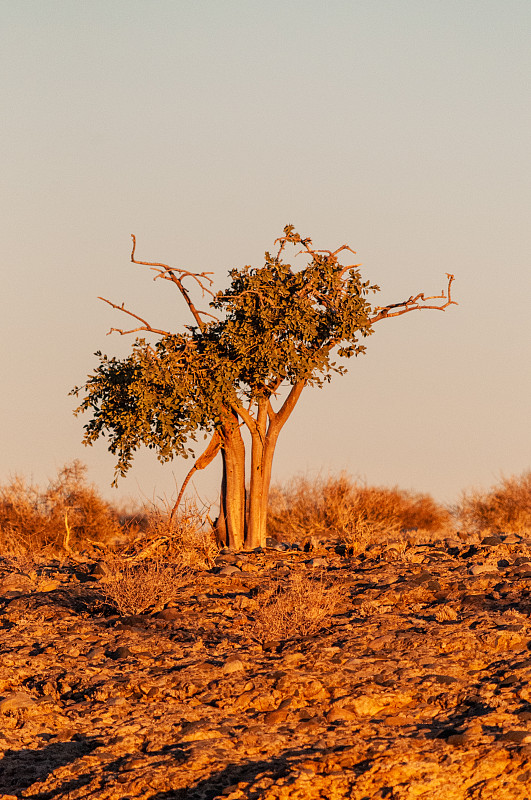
413 682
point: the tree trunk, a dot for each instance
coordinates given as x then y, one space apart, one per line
220 525
269 452
231 523
264 442
256 530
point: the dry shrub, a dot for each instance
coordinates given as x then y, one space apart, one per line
183 540
304 508
160 561
337 507
32 519
504 509
301 608
134 587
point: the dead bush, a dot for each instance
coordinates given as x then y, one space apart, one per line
133 587
300 608
337 507
506 508
158 562
184 540
32 519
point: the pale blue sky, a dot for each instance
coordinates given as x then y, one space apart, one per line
402 128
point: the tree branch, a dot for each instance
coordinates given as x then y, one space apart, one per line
246 416
176 275
271 415
145 327
288 405
420 301
213 448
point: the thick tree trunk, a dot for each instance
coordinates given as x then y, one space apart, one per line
255 536
269 452
256 521
231 523
264 442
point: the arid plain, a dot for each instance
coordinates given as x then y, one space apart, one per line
397 668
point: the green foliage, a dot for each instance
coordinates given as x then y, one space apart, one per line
282 324
158 396
277 325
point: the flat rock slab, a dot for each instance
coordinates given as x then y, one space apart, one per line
417 687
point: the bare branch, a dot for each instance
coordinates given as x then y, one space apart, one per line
213 448
199 277
348 268
176 275
417 303
145 327
330 253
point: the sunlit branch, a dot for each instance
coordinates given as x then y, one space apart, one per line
176 275
144 327
245 415
213 448
417 303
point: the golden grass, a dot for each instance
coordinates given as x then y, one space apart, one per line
505 508
301 608
32 519
68 518
135 587
338 508
155 565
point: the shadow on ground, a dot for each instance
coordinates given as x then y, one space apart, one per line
274 768
19 769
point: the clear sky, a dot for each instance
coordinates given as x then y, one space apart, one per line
402 128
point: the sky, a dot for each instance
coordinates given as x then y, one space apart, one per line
400 128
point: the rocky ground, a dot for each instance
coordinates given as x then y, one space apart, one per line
417 688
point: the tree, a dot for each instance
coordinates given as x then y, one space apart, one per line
276 330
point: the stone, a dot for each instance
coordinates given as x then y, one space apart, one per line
16 583
426 701
16 701
169 614
520 737
229 570
120 653
233 664
479 569
272 544
341 714
275 717
317 562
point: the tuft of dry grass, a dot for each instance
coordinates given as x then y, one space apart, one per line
338 508
506 508
158 562
300 608
446 613
134 587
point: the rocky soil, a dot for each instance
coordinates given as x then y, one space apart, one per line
417 688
